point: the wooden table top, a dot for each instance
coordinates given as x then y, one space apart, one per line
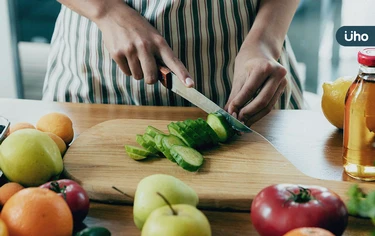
304 137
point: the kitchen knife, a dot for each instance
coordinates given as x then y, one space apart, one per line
192 95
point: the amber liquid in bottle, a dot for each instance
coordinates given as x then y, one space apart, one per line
359 128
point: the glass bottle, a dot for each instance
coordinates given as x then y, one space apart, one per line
359 120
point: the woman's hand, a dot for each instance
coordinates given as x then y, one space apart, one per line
259 80
136 46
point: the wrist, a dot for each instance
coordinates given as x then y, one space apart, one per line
103 10
263 41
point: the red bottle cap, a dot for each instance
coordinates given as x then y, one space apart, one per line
366 57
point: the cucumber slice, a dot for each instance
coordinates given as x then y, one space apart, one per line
146 145
176 130
158 141
221 126
136 153
186 157
168 142
150 140
205 138
152 131
207 128
199 141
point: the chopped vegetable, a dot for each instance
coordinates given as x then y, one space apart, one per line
183 141
167 143
360 203
221 126
137 153
186 157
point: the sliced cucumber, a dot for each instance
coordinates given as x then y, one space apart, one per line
207 128
150 140
205 138
176 130
153 131
221 126
186 157
137 153
146 145
168 142
158 141
189 130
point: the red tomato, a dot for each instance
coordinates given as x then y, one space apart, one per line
74 195
280 208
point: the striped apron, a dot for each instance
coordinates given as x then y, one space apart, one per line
206 36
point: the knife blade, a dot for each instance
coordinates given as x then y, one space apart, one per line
195 97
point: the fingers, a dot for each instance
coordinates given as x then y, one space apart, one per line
261 100
121 61
128 61
149 67
254 81
175 65
140 61
246 112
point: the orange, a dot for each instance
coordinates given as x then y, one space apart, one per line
309 231
8 190
57 123
333 100
3 229
37 211
20 125
60 143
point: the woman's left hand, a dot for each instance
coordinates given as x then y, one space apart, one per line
259 80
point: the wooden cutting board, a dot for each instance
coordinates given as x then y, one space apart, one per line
231 176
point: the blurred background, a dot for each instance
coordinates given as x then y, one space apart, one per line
29 24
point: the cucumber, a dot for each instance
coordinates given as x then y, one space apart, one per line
186 157
137 153
188 129
205 138
145 144
152 131
207 128
150 140
158 141
176 130
168 142
221 126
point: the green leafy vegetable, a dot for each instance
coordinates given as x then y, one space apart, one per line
360 203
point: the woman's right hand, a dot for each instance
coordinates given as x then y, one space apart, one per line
136 46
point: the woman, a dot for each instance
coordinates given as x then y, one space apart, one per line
233 51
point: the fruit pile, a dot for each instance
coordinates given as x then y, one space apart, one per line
56 125
31 156
50 209
183 142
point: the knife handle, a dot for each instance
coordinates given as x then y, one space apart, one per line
165 76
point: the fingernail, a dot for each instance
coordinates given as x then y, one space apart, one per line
189 82
234 114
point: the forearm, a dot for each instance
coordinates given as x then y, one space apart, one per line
271 25
93 9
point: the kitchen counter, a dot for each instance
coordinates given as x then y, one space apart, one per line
304 137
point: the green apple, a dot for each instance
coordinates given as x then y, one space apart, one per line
184 220
146 198
30 158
